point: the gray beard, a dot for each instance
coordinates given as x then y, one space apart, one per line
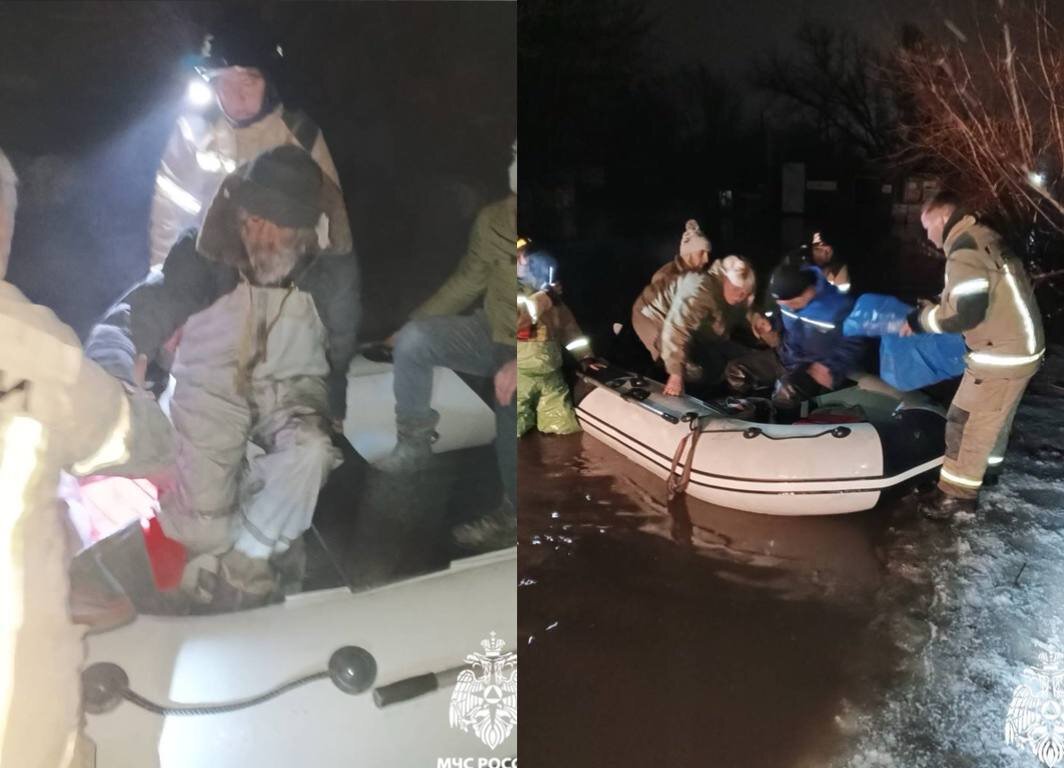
270 266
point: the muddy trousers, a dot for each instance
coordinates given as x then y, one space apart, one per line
543 401
237 505
977 431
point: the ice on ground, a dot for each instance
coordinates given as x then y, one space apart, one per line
985 596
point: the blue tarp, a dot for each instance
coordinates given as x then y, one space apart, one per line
911 362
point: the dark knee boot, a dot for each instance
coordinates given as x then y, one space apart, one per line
413 448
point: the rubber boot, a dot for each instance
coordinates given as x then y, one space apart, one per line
495 530
413 447
943 506
244 582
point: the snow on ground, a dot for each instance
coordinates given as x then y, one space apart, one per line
972 604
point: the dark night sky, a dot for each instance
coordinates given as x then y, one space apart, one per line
728 34
416 100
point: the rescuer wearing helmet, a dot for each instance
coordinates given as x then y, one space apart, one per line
544 325
239 69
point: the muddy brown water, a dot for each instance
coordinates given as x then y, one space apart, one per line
687 636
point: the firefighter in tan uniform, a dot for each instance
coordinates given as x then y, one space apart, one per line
988 298
239 66
58 410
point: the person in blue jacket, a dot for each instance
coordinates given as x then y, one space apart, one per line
808 355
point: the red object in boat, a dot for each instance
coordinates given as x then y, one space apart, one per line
167 556
101 506
833 416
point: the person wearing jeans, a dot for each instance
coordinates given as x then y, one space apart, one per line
483 344
463 343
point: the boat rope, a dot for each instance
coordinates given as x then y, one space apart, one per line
677 482
676 485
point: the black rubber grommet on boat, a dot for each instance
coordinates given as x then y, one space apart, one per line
639 394
840 432
751 432
102 686
352 669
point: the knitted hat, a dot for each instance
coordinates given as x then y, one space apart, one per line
282 185
789 281
738 272
693 239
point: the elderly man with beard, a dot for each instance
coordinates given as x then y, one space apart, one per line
268 295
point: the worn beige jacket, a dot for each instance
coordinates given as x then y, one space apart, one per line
677 303
987 297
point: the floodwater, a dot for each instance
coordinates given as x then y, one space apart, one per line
687 636
701 636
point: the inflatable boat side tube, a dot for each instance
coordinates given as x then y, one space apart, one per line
618 437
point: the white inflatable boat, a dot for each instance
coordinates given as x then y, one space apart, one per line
465 419
409 629
821 468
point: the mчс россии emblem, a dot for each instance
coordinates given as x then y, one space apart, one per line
485 695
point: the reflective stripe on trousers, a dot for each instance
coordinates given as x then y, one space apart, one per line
978 425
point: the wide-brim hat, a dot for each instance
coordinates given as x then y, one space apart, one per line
283 185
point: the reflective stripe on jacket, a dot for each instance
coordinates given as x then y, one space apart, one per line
813 334
986 296
200 154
